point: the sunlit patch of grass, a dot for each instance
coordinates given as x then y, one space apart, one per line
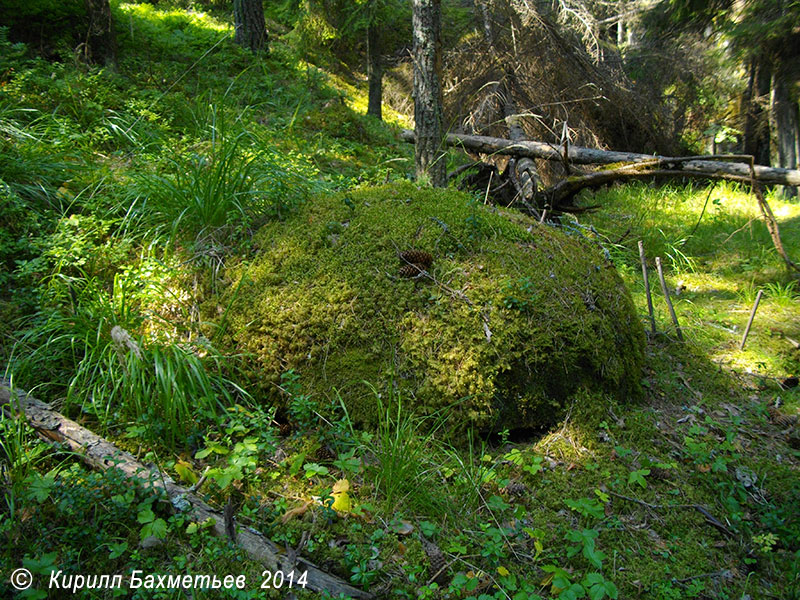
717 255
784 294
357 98
174 18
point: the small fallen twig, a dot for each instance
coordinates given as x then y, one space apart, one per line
769 218
647 289
710 519
722 573
667 298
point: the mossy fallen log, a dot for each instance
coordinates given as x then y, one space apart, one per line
99 453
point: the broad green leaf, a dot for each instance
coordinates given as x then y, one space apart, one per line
117 550
638 477
145 516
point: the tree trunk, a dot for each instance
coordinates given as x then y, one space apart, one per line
249 25
756 127
784 118
375 70
429 156
482 6
101 39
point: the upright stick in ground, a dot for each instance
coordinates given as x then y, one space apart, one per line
667 298
750 320
647 289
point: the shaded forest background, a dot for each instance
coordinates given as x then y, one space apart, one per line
669 77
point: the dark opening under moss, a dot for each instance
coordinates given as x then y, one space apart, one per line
515 319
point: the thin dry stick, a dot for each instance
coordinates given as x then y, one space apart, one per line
769 218
488 187
750 320
647 289
669 301
702 212
710 519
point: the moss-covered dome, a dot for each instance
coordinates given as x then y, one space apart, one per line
514 320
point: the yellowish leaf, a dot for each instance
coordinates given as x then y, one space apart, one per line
341 499
185 472
341 486
502 571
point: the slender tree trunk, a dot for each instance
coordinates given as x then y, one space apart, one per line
101 39
756 127
429 155
784 118
375 70
796 111
249 25
482 6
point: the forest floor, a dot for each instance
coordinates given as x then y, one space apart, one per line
124 194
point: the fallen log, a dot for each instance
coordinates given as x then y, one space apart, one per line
698 166
102 454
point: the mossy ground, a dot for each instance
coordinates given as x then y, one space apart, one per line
514 318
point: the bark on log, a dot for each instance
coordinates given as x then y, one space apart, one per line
698 167
521 170
102 454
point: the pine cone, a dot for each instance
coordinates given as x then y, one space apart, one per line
659 474
325 452
437 562
417 257
780 418
515 488
410 271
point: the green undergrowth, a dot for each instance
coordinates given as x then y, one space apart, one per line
112 182
507 325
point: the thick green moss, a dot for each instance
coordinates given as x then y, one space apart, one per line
520 317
